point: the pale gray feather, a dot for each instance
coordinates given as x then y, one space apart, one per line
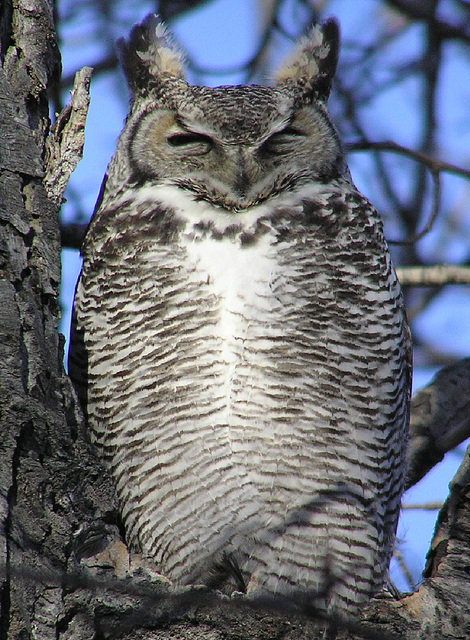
239 343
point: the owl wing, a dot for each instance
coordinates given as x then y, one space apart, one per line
78 361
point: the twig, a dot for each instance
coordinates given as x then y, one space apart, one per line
433 276
397 554
423 506
420 11
432 163
434 166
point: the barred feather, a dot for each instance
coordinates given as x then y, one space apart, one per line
250 397
240 345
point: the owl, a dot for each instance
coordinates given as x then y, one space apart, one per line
239 342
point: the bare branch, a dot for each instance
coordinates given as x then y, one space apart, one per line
434 276
72 234
440 419
436 198
422 10
433 164
64 148
435 167
169 9
397 554
423 506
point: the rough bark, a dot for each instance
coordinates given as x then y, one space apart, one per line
65 572
46 492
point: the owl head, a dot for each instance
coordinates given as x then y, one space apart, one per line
233 146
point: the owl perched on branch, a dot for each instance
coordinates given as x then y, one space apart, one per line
239 341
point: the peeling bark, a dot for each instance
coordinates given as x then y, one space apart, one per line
64 147
45 488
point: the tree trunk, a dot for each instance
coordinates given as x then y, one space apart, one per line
65 571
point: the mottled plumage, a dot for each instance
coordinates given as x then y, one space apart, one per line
239 344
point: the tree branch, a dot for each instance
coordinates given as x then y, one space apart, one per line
422 506
64 147
433 276
440 419
72 234
420 10
433 164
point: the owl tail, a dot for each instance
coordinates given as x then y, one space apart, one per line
225 574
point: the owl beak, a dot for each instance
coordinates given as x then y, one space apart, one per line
242 172
241 183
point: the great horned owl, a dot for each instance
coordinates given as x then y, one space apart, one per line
239 343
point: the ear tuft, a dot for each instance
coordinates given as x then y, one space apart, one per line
310 70
149 54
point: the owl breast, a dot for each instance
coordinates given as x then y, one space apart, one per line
256 357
